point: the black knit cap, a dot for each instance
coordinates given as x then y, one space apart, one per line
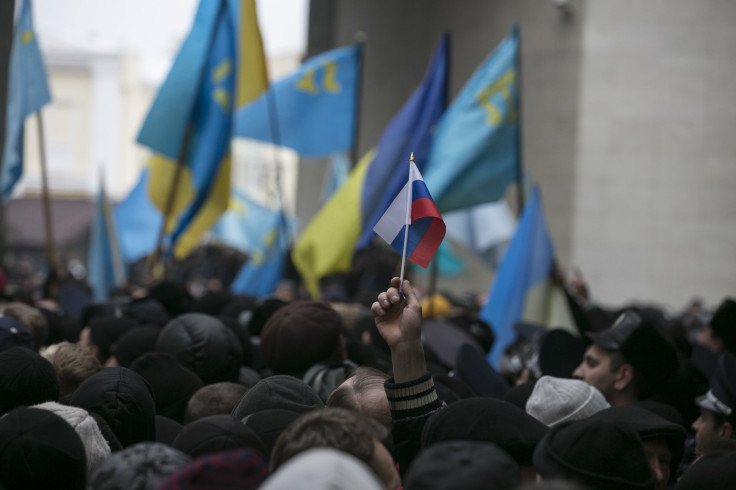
714 471
596 453
487 420
300 335
469 465
649 426
26 378
134 343
215 434
141 466
723 324
172 384
104 331
40 450
269 424
560 353
281 392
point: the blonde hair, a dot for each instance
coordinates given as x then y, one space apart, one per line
73 364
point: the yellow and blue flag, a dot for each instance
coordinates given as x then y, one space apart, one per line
105 268
137 221
327 244
28 92
527 262
474 154
191 118
315 108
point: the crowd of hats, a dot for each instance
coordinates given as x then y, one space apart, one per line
172 392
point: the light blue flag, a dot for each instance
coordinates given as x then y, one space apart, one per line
246 225
315 107
337 175
449 263
105 269
482 228
165 125
474 153
527 262
28 91
265 267
138 221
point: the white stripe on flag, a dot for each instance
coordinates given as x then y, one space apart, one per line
392 221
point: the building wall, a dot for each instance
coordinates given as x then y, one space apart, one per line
655 174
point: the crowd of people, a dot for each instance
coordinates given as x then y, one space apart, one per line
158 388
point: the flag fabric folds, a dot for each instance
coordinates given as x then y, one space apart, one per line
315 107
475 154
527 262
28 92
327 244
138 221
105 268
413 207
191 118
336 176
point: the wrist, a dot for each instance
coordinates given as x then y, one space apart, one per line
408 361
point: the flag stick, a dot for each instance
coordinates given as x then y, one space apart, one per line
407 222
50 251
359 39
519 140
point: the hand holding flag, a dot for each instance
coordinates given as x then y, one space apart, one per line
414 213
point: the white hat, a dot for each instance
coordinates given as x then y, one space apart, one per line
557 400
96 447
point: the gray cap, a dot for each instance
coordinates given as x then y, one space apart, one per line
721 398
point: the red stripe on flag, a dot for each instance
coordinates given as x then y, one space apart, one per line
429 243
424 208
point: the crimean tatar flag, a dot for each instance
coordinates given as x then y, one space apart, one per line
413 207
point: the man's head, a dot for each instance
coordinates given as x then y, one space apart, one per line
341 429
717 407
628 361
363 392
720 333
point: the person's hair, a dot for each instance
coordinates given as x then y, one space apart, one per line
719 419
214 399
32 319
337 428
355 395
73 364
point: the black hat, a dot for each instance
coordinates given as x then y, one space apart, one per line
134 343
40 450
144 465
26 378
269 424
649 426
487 420
147 310
262 313
520 394
299 335
451 389
280 391
13 334
215 434
468 465
560 352
173 385
653 357
714 471
723 324
596 453
446 339
167 429
104 331
721 398
472 367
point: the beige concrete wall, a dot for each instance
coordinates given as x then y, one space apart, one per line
655 198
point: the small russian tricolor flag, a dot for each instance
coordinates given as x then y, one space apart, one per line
426 227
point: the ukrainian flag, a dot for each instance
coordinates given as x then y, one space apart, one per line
327 244
191 119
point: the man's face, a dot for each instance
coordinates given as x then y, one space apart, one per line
596 370
658 454
705 431
706 338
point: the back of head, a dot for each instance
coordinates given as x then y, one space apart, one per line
468 465
723 324
124 399
14 334
26 378
299 335
215 434
269 424
280 392
214 399
39 450
323 468
143 466
596 453
556 400
174 297
337 428
134 343
203 344
262 312
105 331
172 384
32 319
244 469
73 364
487 420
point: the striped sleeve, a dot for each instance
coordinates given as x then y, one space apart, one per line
413 398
